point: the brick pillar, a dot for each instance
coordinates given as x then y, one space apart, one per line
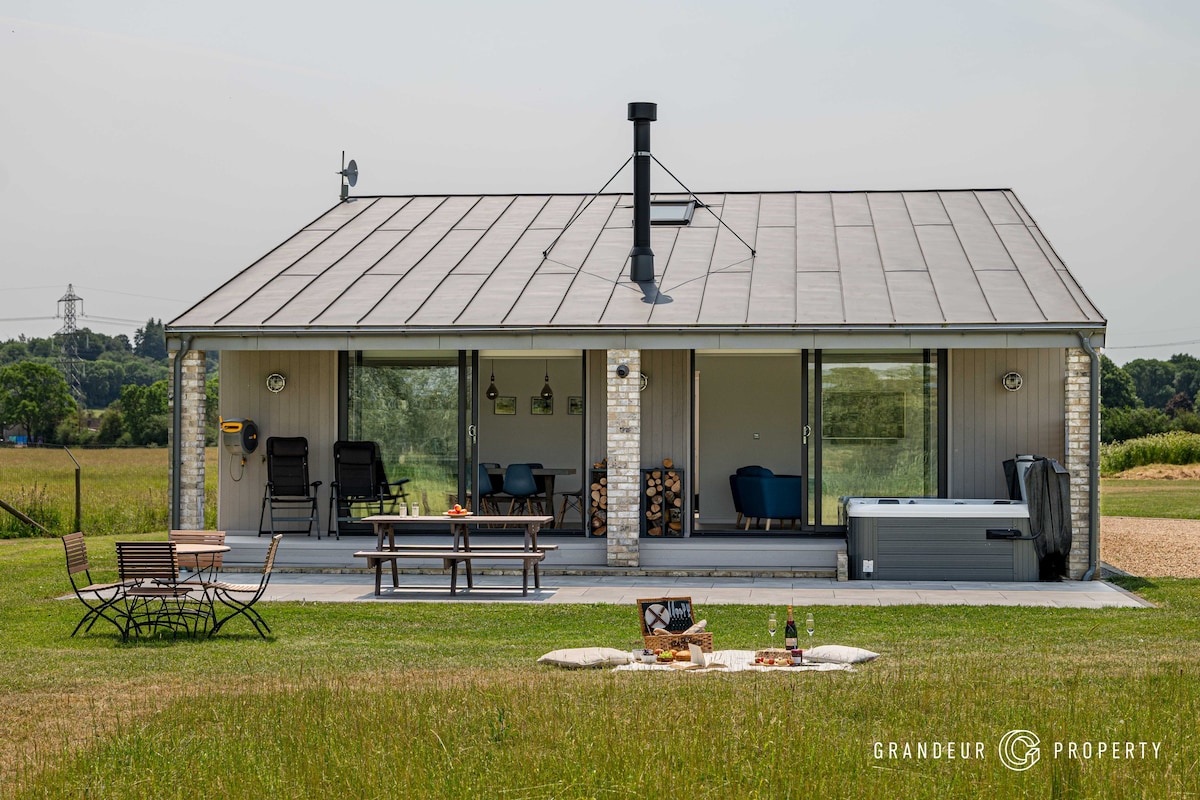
1079 431
191 451
624 452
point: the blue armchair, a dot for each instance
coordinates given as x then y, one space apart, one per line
733 487
771 497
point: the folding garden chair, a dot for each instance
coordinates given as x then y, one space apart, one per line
392 492
153 596
228 593
289 495
98 598
355 484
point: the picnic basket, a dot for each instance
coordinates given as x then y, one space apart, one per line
674 614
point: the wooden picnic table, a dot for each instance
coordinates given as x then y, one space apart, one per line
459 550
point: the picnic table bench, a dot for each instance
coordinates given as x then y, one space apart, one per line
460 549
452 557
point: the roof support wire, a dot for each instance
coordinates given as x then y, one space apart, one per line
579 213
703 205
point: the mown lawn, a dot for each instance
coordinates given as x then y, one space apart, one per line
445 701
1164 499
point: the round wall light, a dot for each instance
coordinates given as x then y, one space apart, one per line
1012 381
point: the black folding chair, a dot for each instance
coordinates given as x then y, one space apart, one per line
392 492
289 495
355 486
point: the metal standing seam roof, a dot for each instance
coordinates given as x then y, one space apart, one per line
823 260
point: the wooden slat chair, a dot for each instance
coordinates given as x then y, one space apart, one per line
228 593
152 594
98 598
196 563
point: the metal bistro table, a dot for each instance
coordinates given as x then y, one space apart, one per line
204 574
548 473
460 530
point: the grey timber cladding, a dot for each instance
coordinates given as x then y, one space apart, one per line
927 258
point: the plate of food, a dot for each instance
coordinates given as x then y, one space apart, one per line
457 511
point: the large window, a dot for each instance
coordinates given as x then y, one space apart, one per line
409 405
878 420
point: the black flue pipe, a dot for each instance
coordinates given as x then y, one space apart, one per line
641 257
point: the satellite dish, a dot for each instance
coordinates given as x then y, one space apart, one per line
349 176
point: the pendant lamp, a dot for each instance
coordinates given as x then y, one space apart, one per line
492 392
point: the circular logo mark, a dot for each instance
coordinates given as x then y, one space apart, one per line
1019 750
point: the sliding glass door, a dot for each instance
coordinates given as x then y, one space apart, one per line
873 427
851 423
412 406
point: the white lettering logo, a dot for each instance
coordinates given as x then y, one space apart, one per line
1019 750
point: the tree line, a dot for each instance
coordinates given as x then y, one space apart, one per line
1148 396
121 396
123 390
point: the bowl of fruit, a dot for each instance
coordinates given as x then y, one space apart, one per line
457 511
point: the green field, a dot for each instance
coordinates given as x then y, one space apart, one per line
444 700
1169 499
122 490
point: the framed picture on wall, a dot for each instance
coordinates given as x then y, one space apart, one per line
505 405
541 406
575 406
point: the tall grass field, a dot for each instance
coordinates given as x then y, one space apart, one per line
122 490
1173 447
446 700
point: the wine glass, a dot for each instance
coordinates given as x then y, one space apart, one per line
809 626
772 624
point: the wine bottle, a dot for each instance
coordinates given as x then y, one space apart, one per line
789 632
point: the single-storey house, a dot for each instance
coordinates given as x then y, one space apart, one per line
897 344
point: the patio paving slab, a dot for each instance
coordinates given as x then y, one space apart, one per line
626 590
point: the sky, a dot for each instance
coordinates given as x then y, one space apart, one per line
149 151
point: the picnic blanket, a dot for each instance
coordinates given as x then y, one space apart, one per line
732 661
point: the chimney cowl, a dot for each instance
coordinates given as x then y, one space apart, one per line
644 111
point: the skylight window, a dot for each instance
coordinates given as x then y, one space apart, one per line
672 212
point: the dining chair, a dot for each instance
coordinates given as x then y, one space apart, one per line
98 598
521 487
197 563
486 491
228 593
570 499
153 595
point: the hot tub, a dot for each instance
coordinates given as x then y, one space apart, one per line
935 539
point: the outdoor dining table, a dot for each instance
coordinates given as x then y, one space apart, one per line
546 473
460 530
204 574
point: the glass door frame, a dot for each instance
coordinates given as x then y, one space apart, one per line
812 380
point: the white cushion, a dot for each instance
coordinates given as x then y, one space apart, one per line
582 657
839 654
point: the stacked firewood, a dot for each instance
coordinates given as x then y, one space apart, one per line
599 491
664 500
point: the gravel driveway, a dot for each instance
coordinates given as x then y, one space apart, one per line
1151 547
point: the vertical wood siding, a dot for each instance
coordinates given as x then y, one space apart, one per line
306 407
666 411
988 424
